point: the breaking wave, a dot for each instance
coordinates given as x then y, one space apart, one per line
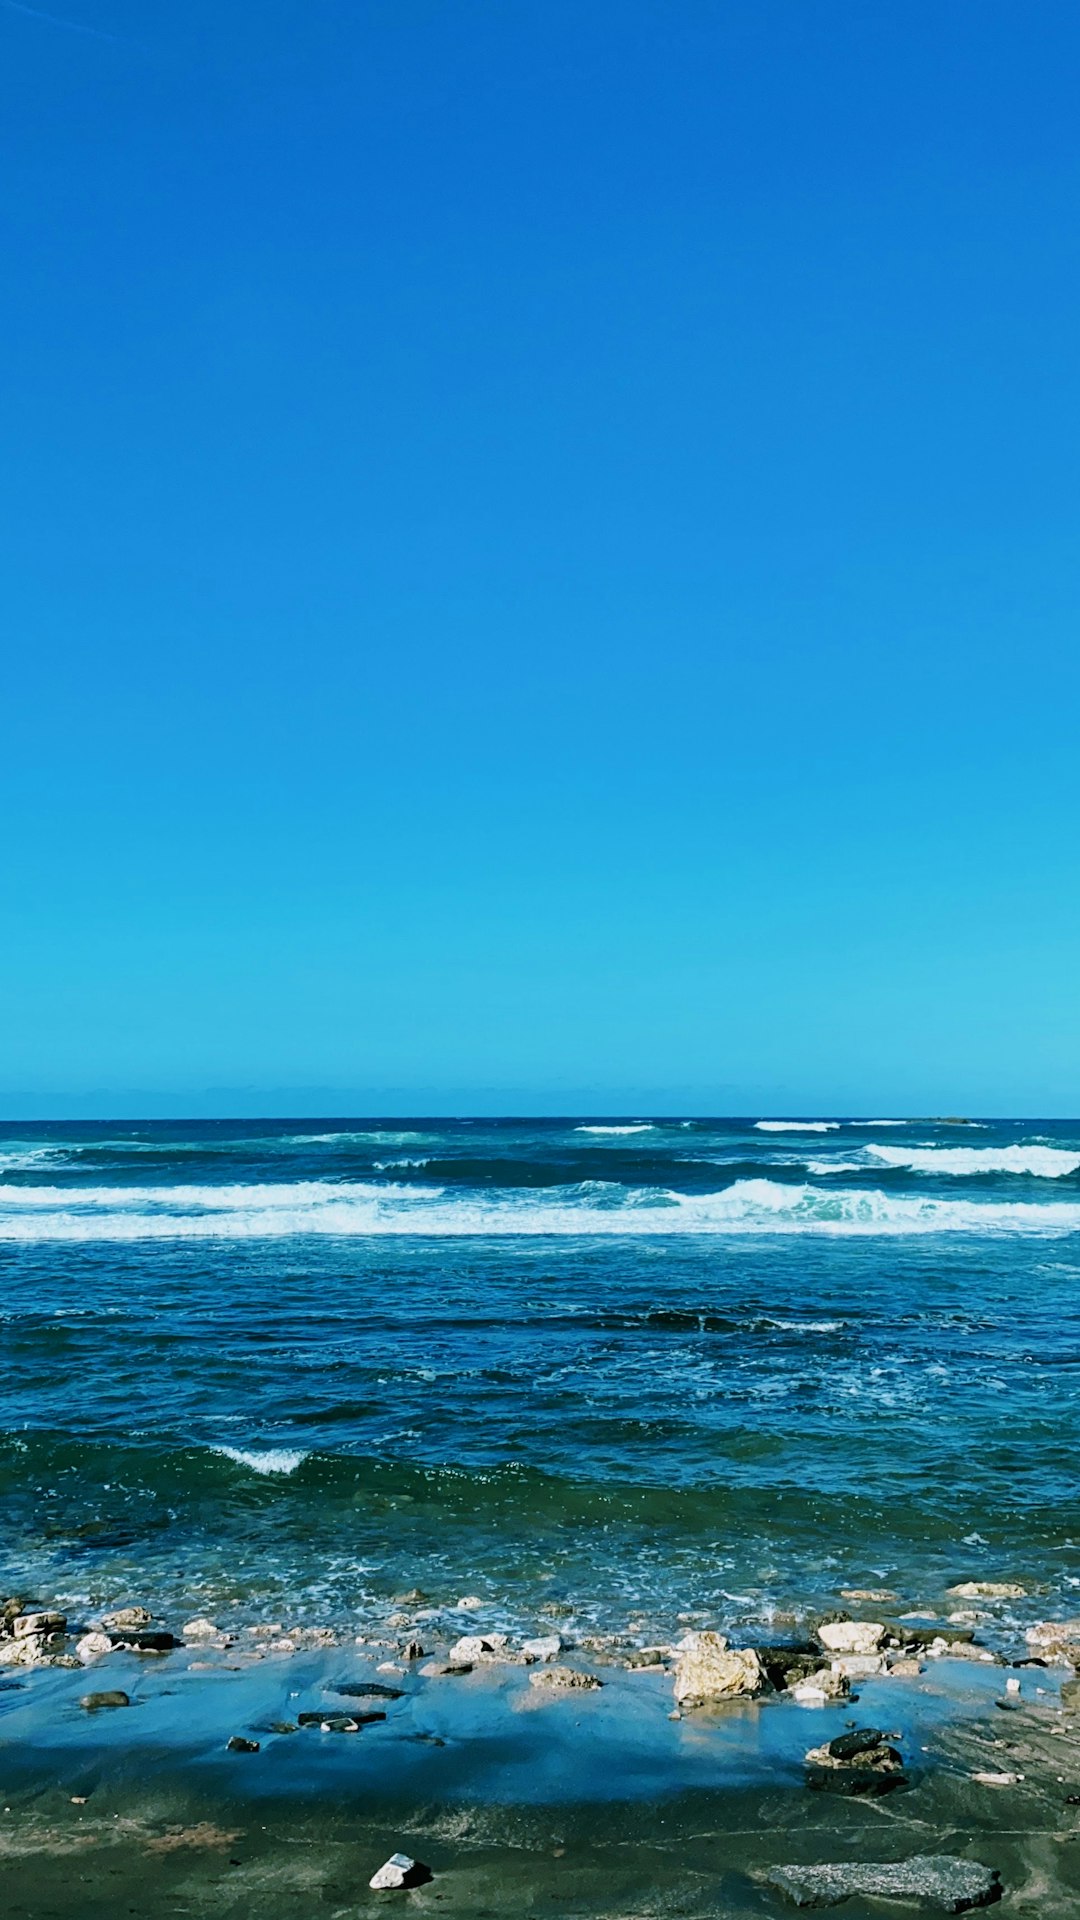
273 1460
640 1126
1050 1163
797 1126
593 1208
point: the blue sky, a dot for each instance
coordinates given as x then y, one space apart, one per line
540 556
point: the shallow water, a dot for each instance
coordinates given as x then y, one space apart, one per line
298 1367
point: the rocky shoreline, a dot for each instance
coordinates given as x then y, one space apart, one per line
440 1689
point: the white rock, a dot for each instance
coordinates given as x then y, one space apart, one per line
548 1647
997 1779
851 1636
858 1666
398 1871
470 1604
127 1617
38 1623
825 1684
92 1646
477 1646
201 1629
988 1590
708 1669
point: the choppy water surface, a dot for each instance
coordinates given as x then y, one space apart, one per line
632 1369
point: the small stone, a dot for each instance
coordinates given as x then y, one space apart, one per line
859 1666
823 1684
564 1678
641 1657
951 1885
906 1669
127 1617
400 1871
870 1596
851 1636
470 1604
367 1690
547 1647
708 1669
238 1744
201 1629
1012 1685
442 1669
412 1650
111 1698
997 1779
414 1598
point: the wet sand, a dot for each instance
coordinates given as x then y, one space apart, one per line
519 1801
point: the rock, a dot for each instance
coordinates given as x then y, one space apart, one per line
1058 1640
851 1636
871 1596
859 1666
987 1590
997 1779
708 1669
858 1762
547 1647
112 1698
1070 1696
470 1604
34 1650
824 1684
38 1624
201 1629
640 1657
137 1640
561 1678
414 1598
442 1669
330 1722
412 1650
478 1646
92 1646
238 1744
400 1871
367 1690
953 1886
127 1617
906 1669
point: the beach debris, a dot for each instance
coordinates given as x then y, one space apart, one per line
560 1679
953 1886
547 1646
201 1629
112 1697
851 1636
987 1590
127 1617
401 1870
862 1761
708 1669
240 1744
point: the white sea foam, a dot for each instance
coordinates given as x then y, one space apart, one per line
797 1126
879 1123
640 1126
272 1211
273 1460
1050 1163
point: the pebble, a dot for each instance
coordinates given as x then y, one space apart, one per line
112 1698
238 1744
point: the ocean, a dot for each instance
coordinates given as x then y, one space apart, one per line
613 1373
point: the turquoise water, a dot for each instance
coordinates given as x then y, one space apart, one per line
615 1373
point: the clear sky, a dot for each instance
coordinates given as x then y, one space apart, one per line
540 555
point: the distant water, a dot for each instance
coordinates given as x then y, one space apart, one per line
625 1368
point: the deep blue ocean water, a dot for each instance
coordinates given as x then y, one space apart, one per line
613 1371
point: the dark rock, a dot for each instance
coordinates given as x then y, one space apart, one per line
339 1722
144 1639
413 1650
785 1666
368 1690
112 1698
953 1886
238 1744
849 1746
